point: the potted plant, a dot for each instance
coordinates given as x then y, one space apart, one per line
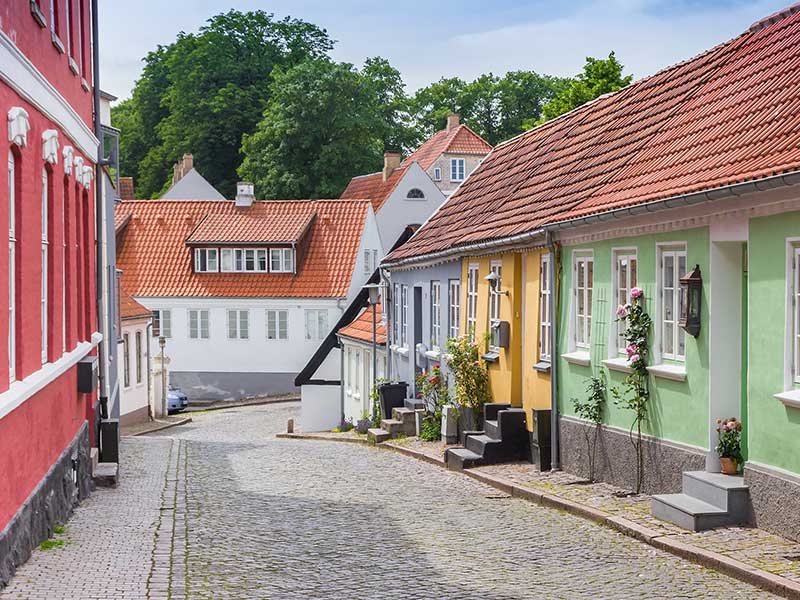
729 446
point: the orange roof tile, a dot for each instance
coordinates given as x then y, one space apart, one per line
729 115
120 220
361 328
282 223
131 309
459 140
156 262
373 187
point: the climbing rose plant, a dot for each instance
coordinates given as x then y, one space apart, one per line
470 375
634 393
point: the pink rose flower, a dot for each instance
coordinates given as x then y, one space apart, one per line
634 358
622 311
631 350
636 293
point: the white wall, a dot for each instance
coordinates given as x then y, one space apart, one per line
398 212
357 377
370 240
319 407
133 397
254 355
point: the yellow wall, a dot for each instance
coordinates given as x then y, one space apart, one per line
536 384
505 375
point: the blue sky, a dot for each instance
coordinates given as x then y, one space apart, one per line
428 40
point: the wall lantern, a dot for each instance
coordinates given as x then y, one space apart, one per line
494 283
691 296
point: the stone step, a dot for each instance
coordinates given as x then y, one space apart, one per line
458 459
106 474
404 414
491 429
480 444
377 435
689 512
395 427
491 409
94 456
728 492
414 404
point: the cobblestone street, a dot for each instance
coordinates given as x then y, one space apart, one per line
220 509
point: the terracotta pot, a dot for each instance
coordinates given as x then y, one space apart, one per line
729 466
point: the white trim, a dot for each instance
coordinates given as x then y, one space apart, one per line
23 76
23 389
676 249
620 364
496 267
790 398
454 308
473 272
585 256
666 371
616 331
436 314
792 322
580 357
50 146
545 319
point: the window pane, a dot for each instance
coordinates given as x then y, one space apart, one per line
669 332
681 341
633 277
166 323
275 259
212 260
283 325
243 324
231 323
669 300
669 271
239 260
249 260
262 260
227 259
287 260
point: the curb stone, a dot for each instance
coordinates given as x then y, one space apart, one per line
764 580
161 426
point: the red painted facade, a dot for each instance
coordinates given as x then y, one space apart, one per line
39 428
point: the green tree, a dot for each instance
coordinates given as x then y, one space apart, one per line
322 125
388 91
599 76
204 91
431 105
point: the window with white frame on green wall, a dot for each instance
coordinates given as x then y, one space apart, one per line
795 304
583 270
625 279
672 266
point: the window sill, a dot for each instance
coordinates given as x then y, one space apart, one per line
543 366
665 371
790 399
401 350
491 356
580 357
618 364
59 45
433 354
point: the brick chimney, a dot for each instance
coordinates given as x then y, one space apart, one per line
391 160
452 121
182 167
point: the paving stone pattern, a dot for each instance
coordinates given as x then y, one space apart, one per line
221 509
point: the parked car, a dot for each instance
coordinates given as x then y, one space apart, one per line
176 400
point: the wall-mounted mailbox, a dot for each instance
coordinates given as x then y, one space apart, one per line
87 374
503 334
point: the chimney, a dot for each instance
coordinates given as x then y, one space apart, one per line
391 160
452 121
245 194
182 167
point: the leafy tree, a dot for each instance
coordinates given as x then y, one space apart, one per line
388 91
204 91
431 105
322 125
599 76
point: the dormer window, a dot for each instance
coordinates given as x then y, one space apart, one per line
415 194
437 173
205 260
280 260
456 169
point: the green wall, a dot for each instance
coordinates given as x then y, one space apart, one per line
678 411
773 429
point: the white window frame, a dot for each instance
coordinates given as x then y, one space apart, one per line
45 258
622 293
226 260
284 258
397 317
138 362
369 266
126 360
316 324
239 328
472 300
273 318
457 169
455 307
676 251
545 322
12 267
794 288
162 316
404 315
204 255
582 290
436 314
437 173
496 267
198 319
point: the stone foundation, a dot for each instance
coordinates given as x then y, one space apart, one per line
775 497
615 462
232 386
50 503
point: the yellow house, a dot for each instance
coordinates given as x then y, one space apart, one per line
519 370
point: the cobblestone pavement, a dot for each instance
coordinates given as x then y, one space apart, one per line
226 511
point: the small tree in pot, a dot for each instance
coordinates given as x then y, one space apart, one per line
470 376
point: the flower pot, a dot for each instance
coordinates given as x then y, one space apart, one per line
729 466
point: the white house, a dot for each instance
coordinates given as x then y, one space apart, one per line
403 195
243 291
133 358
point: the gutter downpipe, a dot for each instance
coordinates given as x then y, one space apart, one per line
98 216
150 401
555 437
341 381
387 301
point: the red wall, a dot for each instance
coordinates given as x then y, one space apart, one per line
37 432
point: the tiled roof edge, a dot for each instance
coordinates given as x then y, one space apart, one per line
774 18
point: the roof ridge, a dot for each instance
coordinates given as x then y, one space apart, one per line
774 18
467 128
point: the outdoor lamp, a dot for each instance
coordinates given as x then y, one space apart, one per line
162 341
374 290
691 295
494 283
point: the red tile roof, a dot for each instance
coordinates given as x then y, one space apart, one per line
459 140
729 115
361 328
282 223
156 262
131 309
121 220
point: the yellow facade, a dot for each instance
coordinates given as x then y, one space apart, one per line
512 377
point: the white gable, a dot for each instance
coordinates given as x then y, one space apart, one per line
192 186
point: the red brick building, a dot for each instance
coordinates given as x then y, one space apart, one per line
48 273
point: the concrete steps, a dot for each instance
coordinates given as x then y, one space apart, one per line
503 439
105 474
376 435
708 500
461 458
403 422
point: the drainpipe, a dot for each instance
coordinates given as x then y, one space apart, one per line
341 382
555 441
150 402
98 215
389 314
